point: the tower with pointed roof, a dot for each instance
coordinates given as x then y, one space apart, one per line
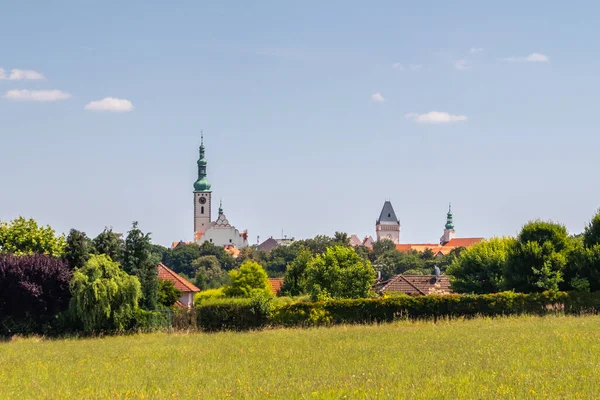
448 228
202 197
387 225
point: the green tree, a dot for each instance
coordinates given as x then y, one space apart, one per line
250 280
316 245
382 246
225 259
103 296
25 236
77 250
139 261
208 272
110 243
480 268
583 269
339 273
277 260
181 257
393 262
294 280
340 239
168 294
537 260
591 235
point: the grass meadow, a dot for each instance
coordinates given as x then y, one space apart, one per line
519 357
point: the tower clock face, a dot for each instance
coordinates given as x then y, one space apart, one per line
202 200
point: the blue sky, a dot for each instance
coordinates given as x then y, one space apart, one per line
313 112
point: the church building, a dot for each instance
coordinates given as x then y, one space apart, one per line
219 232
388 227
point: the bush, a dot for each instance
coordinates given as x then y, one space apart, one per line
242 314
234 314
34 289
208 294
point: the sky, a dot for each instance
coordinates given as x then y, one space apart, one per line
314 113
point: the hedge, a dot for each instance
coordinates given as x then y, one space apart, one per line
243 314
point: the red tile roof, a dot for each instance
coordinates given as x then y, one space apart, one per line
417 285
166 274
276 284
438 248
463 242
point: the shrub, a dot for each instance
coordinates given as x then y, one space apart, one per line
234 314
208 294
168 294
33 290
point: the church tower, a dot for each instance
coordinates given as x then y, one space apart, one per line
387 225
449 227
202 197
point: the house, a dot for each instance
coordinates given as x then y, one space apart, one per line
439 249
187 288
271 243
276 284
416 285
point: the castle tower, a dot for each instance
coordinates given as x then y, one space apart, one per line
387 225
202 197
449 227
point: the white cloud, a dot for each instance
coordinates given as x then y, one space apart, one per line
398 66
435 117
533 57
36 95
377 97
475 50
23 74
110 104
462 65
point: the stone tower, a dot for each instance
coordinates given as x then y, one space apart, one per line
387 225
202 197
448 228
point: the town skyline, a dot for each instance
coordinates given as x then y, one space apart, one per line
310 125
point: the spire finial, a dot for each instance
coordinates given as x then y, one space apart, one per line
221 206
201 137
450 207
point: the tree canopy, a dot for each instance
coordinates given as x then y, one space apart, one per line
251 279
25 236
339 273
104 297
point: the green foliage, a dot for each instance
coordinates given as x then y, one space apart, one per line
211 294
339 273
209 273
77 250
382 246
104 298
294 281
109 243
139 261
537 260
225 259
248 281
277 260
235 314
181 257
480 268
25 236
591 235
168 294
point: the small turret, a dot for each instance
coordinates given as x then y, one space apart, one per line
202 184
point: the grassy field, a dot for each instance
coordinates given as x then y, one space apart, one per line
527 357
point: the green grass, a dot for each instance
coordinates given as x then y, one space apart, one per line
520 358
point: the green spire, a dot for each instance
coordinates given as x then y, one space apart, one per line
202 184
449 222
221 207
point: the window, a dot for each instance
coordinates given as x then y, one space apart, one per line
229 240
202 210
211 240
